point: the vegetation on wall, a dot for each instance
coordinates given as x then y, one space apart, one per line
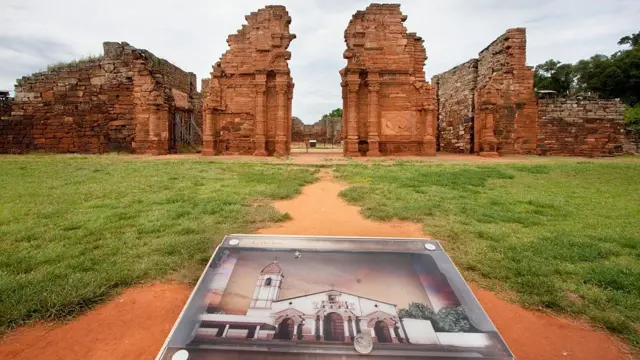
83 60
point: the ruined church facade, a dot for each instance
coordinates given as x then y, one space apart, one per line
247 109
388 106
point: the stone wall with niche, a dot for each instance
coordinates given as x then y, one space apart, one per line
388 106
249 96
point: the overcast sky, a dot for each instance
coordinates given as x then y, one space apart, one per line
192 34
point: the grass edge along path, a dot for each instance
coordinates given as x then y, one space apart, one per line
561 236
76 229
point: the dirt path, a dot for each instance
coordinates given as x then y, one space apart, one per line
135 324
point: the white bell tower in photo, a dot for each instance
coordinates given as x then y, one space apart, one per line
267 287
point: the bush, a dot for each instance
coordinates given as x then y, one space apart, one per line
448 319
632 121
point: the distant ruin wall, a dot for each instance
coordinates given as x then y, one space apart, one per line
487 105
122 101
580 126
505 92
455 90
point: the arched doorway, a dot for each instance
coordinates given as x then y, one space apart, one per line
333 327
285 330
363 147
382 332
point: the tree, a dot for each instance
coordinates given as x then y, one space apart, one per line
553 75
336 113
633 40
615 76
447 319
417 311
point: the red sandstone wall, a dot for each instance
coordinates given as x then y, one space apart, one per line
249 97
122 101
389 108
85 107
580 127
505 89
455 92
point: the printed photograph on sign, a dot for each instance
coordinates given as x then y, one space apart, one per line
315 301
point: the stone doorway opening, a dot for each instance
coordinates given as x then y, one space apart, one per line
285 329
184 133
333 327
382 332
363 147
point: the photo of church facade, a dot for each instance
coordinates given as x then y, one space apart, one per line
329 315
306 301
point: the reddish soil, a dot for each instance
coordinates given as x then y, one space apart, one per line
334 156
135 324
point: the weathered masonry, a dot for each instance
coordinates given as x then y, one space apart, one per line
127 100
580 126
488 106
389 108
248 102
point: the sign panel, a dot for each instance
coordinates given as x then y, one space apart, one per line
275 297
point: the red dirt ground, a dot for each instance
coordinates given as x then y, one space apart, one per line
135 324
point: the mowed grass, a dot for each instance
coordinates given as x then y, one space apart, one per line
75 229
563 236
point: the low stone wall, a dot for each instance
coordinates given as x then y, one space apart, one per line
122 101
580 127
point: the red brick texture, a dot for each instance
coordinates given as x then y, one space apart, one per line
388 106
121 101
455 91
248 99
581 126
506 110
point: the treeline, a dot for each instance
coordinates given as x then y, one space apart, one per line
614 76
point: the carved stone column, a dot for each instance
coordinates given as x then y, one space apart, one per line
281 121
429 141
489 143
352 121
289 115
260 129
207 140
154 132
374 121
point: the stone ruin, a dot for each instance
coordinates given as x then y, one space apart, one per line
488 106
127 100
131 100
388 106
249 96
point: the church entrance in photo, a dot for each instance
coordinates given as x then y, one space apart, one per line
333 327
285 330
382 332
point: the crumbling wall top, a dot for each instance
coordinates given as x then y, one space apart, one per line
377 40
260 45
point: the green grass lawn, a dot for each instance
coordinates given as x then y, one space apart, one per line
561 235
75 229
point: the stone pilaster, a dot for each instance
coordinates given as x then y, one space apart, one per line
260 129
489 143
374 121
281 119
351 144
429 141
207 140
